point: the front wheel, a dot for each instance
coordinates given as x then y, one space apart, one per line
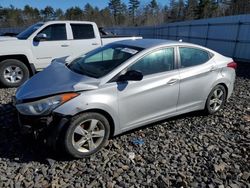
13 73
216 99
86 134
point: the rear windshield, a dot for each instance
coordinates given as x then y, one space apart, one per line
101 61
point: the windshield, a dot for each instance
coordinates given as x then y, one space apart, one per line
103 60
27 32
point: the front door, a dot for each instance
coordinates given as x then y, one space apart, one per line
155 96
56 45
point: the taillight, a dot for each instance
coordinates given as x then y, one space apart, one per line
232 65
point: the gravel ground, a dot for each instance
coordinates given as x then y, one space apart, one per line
188 151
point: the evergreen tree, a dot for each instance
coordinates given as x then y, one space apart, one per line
74 13
191 10
133 6
154 6
116 8
88 11
173 10
59 14
30 15
207 8
47 13
180 10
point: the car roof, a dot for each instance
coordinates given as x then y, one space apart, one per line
66 21
147 43
152 43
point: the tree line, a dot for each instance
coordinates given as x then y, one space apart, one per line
117 13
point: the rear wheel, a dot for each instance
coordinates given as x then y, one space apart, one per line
13 73
86 134
216 99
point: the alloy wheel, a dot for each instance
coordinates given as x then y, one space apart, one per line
88 135
216 99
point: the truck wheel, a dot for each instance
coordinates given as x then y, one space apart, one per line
86 134
13 73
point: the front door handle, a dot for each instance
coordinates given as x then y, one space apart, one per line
64 45
95 43
172 81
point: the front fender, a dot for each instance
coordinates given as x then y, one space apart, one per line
84 103
17 47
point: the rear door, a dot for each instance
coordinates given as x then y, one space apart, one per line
55 46
84 39
197 75
155 96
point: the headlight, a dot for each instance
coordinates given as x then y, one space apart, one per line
44 106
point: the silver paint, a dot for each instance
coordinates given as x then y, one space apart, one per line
135 103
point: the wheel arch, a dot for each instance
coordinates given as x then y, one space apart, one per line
22 58
225 86
106 115
220 82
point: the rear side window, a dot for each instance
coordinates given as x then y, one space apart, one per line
107 55
55 32
82 31
192 56
158 61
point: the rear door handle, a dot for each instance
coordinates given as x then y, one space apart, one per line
172 81
64 45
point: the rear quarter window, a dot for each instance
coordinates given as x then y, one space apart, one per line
82 31
193 56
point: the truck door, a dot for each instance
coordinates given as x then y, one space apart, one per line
83 39
55 45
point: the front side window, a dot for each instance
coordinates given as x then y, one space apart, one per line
156 62
82 31
103 60
55 32
192 56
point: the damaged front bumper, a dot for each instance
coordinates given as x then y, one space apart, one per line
45 128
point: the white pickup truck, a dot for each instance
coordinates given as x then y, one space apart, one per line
34 48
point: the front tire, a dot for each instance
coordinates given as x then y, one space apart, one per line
216 99
13 73
86 134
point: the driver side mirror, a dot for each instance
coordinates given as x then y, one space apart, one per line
41 36
132 75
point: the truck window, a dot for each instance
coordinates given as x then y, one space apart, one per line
82 31
29 31
55 32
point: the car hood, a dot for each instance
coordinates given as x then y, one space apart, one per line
12 45
6 38
55 79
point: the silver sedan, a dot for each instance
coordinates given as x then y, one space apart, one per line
119 87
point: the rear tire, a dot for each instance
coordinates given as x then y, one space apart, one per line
216 99
13 73
86 134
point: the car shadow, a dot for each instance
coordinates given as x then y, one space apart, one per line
22 149
243 70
